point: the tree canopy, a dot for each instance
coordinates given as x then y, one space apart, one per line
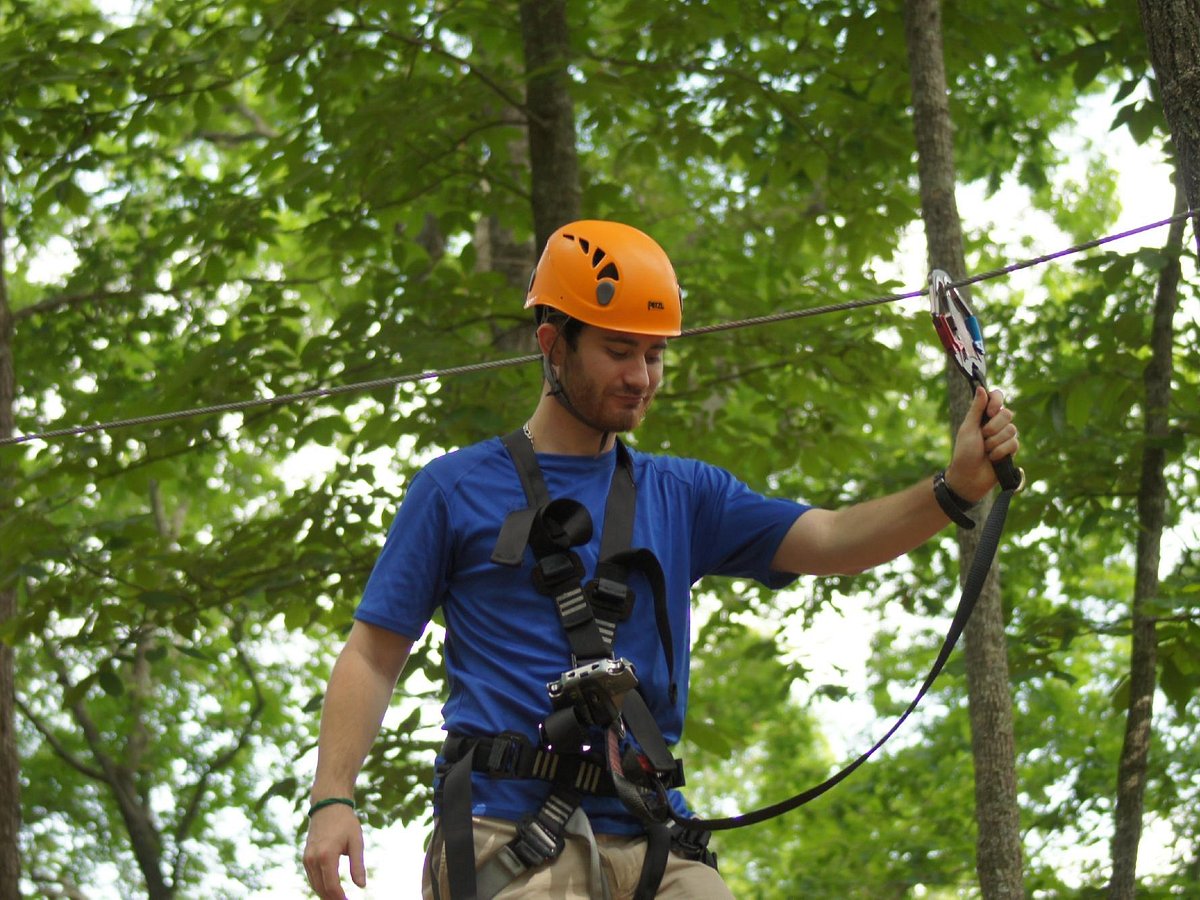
209 203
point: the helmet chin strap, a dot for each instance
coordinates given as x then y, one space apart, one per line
559 393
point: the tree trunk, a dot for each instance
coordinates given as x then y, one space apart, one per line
1152 504
1172 30
553 161
10 765
998 860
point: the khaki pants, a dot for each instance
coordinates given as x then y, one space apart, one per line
566 878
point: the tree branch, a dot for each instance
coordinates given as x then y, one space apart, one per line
57 746
91 734
56 887
222 760
66 301
466 64
260 129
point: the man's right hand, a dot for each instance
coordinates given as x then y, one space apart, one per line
333 832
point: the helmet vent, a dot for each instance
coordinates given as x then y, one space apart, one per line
605 289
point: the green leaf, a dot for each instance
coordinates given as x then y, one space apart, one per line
110 682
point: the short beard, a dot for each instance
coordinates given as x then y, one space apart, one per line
588 400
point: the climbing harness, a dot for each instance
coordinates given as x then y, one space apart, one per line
600 737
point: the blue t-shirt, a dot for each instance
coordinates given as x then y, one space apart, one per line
504 640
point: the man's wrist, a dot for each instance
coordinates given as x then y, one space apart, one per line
954 505
325 802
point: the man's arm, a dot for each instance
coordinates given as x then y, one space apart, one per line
858 537
360 689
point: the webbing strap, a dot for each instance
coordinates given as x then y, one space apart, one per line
620 509
616 559
649 807
985 552
645 730
581 827
514 534
460 838
510 755
658 848
506 866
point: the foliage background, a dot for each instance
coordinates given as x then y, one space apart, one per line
213 202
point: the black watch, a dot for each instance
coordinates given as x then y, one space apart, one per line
952 504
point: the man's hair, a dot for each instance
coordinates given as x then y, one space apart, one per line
567 326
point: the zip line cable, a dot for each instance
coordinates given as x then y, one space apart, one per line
363 386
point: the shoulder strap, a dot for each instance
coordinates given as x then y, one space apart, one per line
608 592
514 533
620 509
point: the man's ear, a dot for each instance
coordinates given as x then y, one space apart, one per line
549 338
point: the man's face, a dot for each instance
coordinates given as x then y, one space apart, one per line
612 376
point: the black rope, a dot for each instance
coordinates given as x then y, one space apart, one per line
362 386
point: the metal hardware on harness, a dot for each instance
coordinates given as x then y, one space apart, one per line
506 753
588 695
609 598
540 836
612 676
959 331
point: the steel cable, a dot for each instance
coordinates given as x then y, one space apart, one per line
363 386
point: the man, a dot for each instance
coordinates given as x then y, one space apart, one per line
563 563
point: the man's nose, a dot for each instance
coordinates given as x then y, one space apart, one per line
637 374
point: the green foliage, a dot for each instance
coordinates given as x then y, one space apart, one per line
208 203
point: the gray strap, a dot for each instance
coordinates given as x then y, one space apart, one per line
504 868
579 826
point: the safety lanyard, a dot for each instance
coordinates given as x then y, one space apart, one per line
985 552
958 329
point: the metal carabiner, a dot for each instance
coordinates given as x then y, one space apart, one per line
962 337
958 328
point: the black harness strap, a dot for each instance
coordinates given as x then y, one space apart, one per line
459 842
511 755
589 616
658 848
608 593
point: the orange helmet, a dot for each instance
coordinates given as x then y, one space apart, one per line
609 275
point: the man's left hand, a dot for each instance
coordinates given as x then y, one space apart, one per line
978 446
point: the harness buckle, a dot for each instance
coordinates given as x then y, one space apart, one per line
612 676
555 569
613 599
505 754
692 843
535 843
